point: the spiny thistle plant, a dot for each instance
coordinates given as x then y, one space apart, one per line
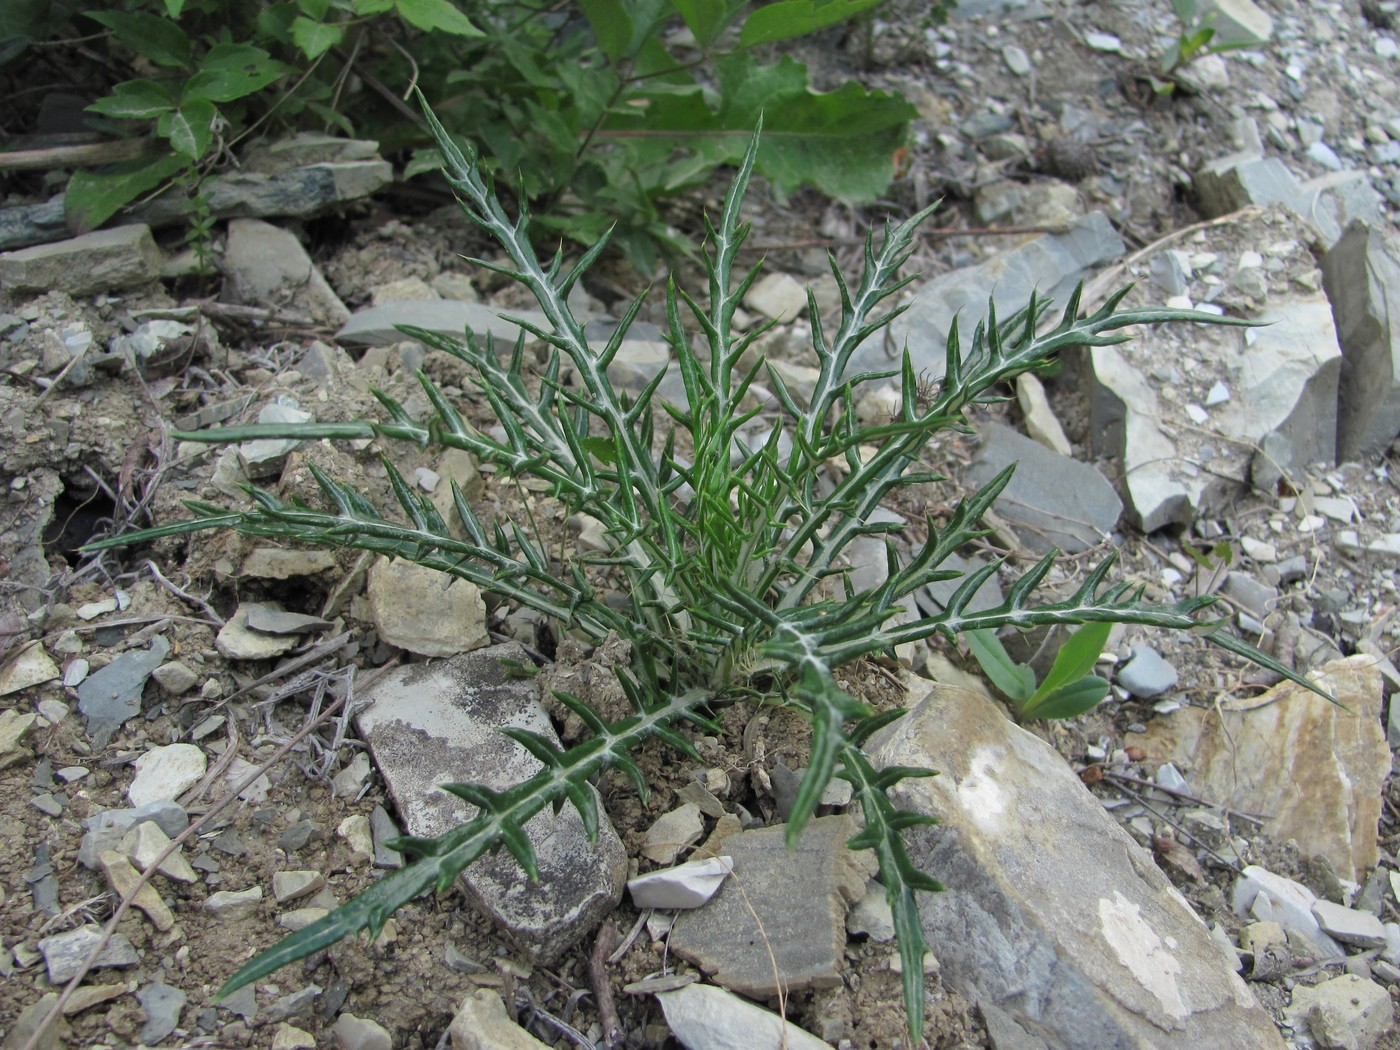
732 557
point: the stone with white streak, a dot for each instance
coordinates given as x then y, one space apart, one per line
1052 913
432 724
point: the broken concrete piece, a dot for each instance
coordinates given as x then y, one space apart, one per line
792 901
1052 913
122 257
1361 274
1052 500
1315 768
425 611
432 724
267 266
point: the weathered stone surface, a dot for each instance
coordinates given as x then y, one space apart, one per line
267 266
64 952
1237 21
1316 769
673 832
121 257
1052 913
482 1024
412 609
112 695
1052 500
376 325
704 1017
1362 275
298 192
779 296
163 773
30 667
123 879
437 724
237 641
1284 384
272 563
685 886
1051 264
26 224
1345 1013
793 902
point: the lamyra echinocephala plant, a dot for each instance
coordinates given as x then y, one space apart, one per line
731 556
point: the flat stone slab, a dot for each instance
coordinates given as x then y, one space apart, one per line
121 257
1052 500
376 326
791 903
1052 913
432 724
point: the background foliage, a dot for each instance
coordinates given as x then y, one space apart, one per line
596 112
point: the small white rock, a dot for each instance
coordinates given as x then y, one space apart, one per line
165 773
684 886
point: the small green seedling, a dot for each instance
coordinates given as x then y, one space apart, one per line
1069 689
1198 37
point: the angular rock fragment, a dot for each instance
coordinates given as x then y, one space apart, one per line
704 1017
1052 913
267 266
432 724
121 257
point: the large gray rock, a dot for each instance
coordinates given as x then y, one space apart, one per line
296 192
121 257
1282 381
1053 500
1051 264
1052 913
377 326
1326 204
266 265
1362 274
432 724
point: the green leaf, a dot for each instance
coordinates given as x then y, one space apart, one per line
174 8
1015 681
790 18
842 142
1075 659
154 37
314 9
707 19
94 197
1068 701
135 100
233 71
612 25
190 128
432 15
373 7
422 161
315 38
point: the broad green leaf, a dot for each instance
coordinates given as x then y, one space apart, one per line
135 100
612 25
842 142
94 197
1015 681
1067 702
174 8
190 128
156 38
315 38
421 162
707 19
1075 659
373 7
233 74
314 9
433 15
791 18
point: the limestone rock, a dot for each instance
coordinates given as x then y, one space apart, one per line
1284 381
1361 274
30 667
237 640
412 609
779 296
704 1017
1051 264
376 326
1052 913
1315 768
1052 500
121 257
790 901
673 833
164 773
1345 1013
431 724
268 266
482 1024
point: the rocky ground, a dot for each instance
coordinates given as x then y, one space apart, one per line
141 690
